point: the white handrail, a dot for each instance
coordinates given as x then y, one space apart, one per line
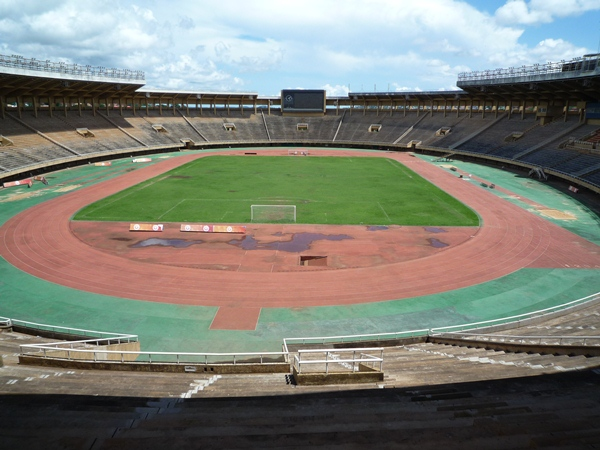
333 358
44 347
355 337
487 337
529 315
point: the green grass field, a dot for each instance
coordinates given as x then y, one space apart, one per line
325 190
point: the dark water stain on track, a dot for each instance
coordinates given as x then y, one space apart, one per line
435 230
299 242
177 243
377 228
437 243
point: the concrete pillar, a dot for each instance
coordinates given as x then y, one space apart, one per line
50 106
523 109
3 106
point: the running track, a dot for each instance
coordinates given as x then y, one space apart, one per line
40 241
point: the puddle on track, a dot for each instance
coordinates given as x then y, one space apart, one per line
177 243
299 242
436 243
377 228
435 230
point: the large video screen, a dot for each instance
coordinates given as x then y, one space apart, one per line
300 100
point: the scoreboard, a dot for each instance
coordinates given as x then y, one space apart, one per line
303 101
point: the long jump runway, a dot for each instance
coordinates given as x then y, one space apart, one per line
44 242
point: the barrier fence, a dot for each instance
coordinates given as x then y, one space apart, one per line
19 62
89 354
528 340
321 360
85 343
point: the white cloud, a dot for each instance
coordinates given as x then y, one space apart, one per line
542 11
187 72
336 91
276 44
555 50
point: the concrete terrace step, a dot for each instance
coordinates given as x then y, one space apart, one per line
509 413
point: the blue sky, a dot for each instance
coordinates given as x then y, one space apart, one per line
264 46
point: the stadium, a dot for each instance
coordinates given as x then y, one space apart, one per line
478 320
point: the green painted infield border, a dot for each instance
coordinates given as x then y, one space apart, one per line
165 327
587 224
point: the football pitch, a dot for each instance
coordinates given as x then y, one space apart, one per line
325 190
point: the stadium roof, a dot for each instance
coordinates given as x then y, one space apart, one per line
578 79
573 81
21 76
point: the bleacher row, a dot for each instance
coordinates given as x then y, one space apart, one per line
433 395
30 141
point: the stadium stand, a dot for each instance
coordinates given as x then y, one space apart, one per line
460 393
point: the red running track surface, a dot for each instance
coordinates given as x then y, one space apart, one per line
41 241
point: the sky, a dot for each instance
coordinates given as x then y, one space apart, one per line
264 46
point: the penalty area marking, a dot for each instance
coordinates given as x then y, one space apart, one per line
386 215
172 208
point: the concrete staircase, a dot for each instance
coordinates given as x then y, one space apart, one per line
551 411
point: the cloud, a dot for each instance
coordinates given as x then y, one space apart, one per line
336 91
188 72
542 11
274 44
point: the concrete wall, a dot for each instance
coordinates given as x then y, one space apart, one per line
101 352
365 374
281 367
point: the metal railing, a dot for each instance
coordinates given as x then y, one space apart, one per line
19 62
72 348
587 63
90 354
322 340
79 332
529 340
517 319
332 357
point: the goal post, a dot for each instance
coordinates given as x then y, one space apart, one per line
273 213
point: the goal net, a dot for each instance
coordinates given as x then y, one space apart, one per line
273 213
